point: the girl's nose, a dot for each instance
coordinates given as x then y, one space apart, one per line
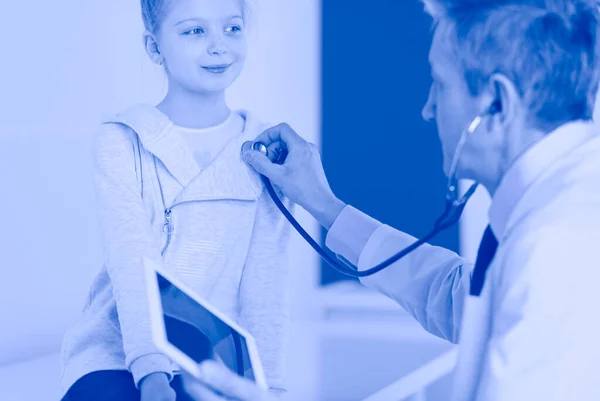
217 47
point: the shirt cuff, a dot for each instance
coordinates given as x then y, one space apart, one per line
150 363
350 233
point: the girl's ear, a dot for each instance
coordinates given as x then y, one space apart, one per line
151 46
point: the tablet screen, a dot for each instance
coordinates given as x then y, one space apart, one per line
200 334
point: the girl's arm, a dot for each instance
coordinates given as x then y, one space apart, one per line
265 289
127 237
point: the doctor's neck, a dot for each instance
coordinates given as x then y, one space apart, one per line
501 156
195 109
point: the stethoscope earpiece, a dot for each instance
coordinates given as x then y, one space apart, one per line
495 107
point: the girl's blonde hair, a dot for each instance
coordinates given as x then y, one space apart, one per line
154 10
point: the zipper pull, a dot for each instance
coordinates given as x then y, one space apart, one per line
168 227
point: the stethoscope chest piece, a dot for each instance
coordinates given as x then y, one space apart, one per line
276 154
260 147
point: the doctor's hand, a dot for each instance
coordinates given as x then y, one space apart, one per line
300 177
219 384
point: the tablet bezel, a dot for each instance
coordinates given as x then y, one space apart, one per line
159 333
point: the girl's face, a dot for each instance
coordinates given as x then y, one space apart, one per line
203 43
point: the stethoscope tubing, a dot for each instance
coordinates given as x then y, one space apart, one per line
451 214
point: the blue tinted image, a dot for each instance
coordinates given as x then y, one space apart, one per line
200 334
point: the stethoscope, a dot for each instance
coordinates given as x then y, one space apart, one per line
452 212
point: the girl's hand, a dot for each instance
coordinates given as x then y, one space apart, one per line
156 387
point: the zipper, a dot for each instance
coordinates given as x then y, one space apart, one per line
168 227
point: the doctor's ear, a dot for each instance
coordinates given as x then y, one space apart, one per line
506 103
152 49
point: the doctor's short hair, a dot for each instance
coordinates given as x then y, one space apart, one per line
548 48
153 11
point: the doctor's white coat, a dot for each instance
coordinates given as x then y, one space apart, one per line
533 333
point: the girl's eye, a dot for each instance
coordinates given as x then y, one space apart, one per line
234 29
195 31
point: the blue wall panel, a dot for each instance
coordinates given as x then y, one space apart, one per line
378 153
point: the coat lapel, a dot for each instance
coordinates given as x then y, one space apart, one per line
156 134
474 334
227 177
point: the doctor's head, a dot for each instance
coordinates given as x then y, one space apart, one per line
534 60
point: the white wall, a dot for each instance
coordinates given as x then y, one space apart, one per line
64 64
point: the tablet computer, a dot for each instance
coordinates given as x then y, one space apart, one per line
188 330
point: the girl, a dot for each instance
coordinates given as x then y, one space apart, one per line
171 186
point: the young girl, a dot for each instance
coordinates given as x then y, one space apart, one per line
171 186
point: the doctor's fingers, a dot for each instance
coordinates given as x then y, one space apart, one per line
281 133
199 392
276 151
263 165
224 381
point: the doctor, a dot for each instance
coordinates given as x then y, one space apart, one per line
527 316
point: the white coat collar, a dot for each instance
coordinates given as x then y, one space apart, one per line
531 165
